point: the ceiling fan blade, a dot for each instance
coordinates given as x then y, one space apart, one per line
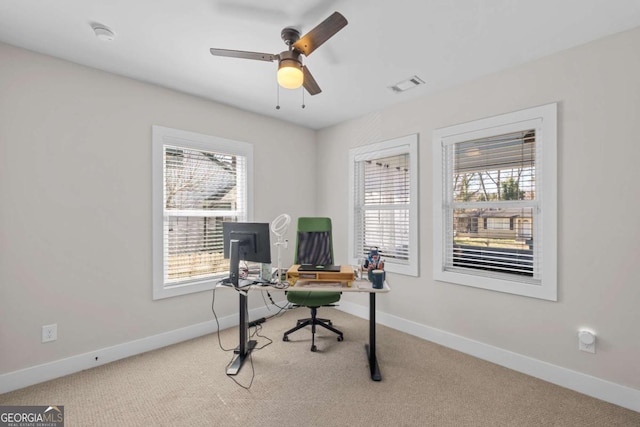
321 33
309 82
244 54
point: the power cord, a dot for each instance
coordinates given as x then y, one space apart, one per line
215 316
253 372
256 324
258 328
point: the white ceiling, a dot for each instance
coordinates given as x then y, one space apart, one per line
444 42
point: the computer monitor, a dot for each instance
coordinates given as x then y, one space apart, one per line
245 241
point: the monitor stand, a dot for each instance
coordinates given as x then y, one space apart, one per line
246 345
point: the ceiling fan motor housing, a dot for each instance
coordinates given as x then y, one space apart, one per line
290 35
290 58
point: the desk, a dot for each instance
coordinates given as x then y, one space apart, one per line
302 285
356 286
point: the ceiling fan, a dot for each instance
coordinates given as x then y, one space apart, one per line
291 72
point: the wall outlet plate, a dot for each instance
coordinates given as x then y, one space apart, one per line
586 341
50 332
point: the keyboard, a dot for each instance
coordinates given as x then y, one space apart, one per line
313 267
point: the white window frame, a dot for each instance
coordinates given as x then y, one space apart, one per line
544 119
162 136
403 145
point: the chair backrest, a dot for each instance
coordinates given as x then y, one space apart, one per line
314 242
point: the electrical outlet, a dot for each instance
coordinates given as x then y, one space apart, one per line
50 332
587 341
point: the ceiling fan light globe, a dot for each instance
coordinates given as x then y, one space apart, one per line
290 75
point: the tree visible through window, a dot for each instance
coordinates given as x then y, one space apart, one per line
495 204
493 184
201 190
199 183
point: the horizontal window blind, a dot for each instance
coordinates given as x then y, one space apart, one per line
491 214
201 190
382 194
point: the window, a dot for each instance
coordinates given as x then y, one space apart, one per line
383 203
495 203
198 182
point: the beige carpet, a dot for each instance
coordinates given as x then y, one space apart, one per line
423 384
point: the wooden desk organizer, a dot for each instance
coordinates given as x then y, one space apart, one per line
345 274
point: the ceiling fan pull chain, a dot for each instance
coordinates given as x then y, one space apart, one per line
303 98
278 96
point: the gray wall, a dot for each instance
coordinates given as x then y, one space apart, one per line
598 91
75 195
75 243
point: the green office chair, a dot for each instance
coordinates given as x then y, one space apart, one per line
314 245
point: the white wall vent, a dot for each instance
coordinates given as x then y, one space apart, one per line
407 84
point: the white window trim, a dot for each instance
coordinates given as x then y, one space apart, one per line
160 137
403 145
546 134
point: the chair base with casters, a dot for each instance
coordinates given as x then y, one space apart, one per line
321 299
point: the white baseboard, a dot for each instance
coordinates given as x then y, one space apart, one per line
59 368
591 386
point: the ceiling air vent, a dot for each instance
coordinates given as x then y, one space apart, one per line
407 84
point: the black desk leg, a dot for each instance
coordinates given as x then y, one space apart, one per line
371 347
245 345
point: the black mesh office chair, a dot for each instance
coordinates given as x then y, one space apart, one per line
314 245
